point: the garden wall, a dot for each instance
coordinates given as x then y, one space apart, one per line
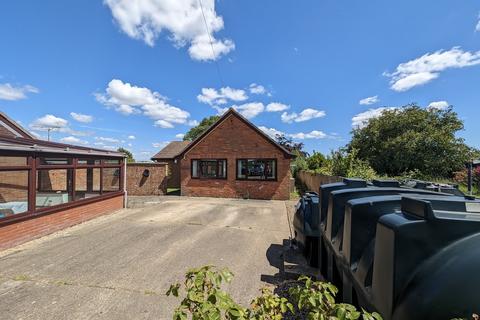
139 183
313 181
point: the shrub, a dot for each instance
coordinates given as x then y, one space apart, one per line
203 298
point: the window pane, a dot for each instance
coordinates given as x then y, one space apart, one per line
111 179
87 183
270 169
54 187
12 161
222 168
208 169
88 161
112 161
55 161
195 169
13 192
241 169
255 169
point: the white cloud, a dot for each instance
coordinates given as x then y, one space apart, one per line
272 132
179 135
250 110
213 96
429 66
131 137
84 118
73 140
477 27
163 124
361 120
438 105
369 100
255 88
183 19
193 123
49 121
315 134
12 93
107 139
305 115
276 107
128 99
160 145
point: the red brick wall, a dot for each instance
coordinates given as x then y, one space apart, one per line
173 174
231 140
154 184
23 231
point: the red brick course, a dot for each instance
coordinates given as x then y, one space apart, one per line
19 232
233 139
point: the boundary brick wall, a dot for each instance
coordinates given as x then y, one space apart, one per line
153 185
233 139
19 232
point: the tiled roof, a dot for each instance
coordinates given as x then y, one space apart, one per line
171 150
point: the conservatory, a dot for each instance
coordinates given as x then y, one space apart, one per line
39 178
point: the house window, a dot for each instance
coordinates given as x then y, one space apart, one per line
256 169
212 168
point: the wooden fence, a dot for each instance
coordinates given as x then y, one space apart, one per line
313 181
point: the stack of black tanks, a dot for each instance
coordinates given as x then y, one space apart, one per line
408 251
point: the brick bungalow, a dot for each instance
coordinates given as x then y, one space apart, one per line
232 159
47 186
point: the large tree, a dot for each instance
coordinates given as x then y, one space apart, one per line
127 153
411 139
200 128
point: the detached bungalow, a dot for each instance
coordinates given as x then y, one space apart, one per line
232 159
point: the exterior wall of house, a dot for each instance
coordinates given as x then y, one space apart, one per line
154 184
32 228
233 139
173 174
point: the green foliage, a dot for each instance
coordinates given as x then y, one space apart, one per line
318 300
298 163
316 160
194 132
345 164
290 145
205 299
412 138
269 306
127 153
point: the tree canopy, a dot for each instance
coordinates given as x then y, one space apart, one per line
411 139
128 153
290 145
194 132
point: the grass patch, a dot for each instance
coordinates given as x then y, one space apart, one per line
173 191
21 277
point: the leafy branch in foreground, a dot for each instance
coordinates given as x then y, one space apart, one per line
203 298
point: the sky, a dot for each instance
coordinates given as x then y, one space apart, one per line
139 74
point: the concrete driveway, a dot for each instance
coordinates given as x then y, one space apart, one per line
119 266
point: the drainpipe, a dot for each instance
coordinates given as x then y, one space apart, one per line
125 197
469 177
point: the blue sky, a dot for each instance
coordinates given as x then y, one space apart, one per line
109 74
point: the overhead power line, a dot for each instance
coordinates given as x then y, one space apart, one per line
211 44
